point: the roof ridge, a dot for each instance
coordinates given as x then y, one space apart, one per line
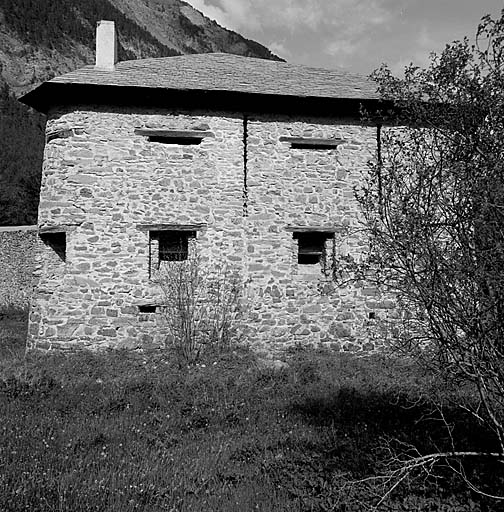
239 57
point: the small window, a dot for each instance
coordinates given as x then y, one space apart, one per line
311 246
172 245
57 242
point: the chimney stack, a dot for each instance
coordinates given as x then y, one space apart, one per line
106 45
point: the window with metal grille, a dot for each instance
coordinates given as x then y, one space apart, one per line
172 245
311 246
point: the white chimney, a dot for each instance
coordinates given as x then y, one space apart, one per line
106 45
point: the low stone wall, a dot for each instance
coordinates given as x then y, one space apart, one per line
17 266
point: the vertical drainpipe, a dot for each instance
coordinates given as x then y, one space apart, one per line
245 190
245 226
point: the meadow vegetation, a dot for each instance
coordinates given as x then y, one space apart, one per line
136 431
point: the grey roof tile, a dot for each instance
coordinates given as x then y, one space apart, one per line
227 72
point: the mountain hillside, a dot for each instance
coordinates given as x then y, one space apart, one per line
182 28
40 39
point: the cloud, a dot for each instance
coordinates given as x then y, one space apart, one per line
355 31
231 14
317 32
213 12
280 49
356 34
251 16
423 44
340 47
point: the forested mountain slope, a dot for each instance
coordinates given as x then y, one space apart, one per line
40 39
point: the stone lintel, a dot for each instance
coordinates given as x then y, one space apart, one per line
313 229
44 230
170 227
173 134
311 141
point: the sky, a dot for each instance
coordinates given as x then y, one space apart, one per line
357 35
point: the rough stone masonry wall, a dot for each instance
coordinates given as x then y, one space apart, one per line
101 181
17 266
306 188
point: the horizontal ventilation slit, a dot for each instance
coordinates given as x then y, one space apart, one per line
185 141
181 137
312 143
312 146
147 308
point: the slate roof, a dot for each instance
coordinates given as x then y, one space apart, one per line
227 72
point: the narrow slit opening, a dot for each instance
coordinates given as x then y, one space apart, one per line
316 147
147 308
183 141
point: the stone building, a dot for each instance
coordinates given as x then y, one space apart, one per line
252 162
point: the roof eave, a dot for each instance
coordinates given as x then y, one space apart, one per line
53 94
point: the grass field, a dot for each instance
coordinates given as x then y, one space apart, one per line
130 431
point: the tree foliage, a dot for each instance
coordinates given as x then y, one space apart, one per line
201 306
21 147
433 205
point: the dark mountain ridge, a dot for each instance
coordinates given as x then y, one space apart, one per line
40 39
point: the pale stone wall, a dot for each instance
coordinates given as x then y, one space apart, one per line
101 181
305 188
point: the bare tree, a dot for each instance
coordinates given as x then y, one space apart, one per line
201 307
433 205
